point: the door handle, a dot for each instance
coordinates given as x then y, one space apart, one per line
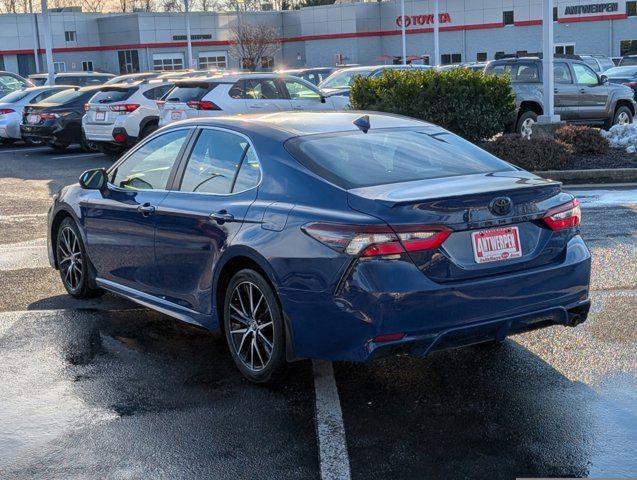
146 209
222 217
256 106
555 90
582 90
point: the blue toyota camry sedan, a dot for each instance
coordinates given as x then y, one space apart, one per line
333 235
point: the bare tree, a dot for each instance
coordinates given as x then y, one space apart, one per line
252 43
207 5
172 5
9 6
95 6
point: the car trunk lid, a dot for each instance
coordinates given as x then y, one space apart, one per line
468 205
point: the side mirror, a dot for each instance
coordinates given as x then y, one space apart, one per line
95 179
323 98
603 79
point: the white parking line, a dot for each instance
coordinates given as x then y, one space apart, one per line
333 458
80 155
29 254
23 150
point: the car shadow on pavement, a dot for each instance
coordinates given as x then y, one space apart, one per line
137 394
470 413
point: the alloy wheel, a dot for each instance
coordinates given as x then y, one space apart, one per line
623 118
70 258
527 128
251 326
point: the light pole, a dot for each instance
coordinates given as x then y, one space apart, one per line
47 42
402 30
188 39
547 64
436 34
36 40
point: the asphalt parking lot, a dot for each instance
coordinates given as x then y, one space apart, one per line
106 389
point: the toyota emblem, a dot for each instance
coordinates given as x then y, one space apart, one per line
501 205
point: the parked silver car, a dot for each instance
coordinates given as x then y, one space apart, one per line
581 96
12 109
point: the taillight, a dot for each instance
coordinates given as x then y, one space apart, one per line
160 103
119 137
630 84
4 111
86 107
377 240
568 215
202 105
48 116
124 108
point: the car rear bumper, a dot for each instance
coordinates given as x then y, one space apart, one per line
98 132
382 297
10 126
50 133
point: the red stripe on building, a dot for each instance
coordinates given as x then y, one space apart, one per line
330 36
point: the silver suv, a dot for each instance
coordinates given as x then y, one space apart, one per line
581 96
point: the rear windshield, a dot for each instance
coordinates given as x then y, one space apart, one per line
356 159
81 80
189 92
65 96
344 78
38 82
113 95
14 96
627 61
619 72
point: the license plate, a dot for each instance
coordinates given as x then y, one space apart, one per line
33 118
176 115
496 245
100 116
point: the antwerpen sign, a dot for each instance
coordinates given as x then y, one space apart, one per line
428 19
590 9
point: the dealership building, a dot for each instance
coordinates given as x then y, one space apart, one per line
351 33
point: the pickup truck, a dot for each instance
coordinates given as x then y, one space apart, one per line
581 95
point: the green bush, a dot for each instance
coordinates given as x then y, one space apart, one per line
468 103
534 154
585 140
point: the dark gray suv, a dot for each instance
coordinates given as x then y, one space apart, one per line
581 96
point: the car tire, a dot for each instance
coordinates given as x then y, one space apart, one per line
88 146
254 327
623 115
59 147
525 123
33 142
109 149
74 265
147 130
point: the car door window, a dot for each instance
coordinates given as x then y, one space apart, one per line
585 75
157 92
215 160
9 84
526 72
562 74
149 167
263 89
300 91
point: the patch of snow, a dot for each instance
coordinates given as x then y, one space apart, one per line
622 136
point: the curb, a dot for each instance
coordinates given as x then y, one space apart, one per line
592 176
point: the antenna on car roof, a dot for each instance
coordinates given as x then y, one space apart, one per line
362 123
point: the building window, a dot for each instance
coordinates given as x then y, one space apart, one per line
481 57
168 61
87 65
507 17
555 14
69 35
213 60
128 61
627 47
449 58
631 8
565 48
59 67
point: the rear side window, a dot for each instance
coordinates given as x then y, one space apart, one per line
499 69
220 163
113 95
525 73
157 93
189 92
72 80
356 159
65 96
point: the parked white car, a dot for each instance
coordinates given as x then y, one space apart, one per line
241 93
12 109
120 115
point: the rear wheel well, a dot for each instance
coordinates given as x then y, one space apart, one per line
530 106
55 226
625 103
233 266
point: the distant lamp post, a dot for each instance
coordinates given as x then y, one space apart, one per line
188 39
548 49
48 43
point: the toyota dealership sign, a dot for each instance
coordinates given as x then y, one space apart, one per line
421 20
